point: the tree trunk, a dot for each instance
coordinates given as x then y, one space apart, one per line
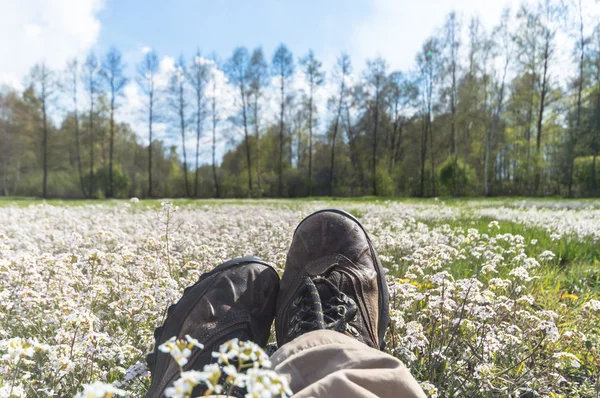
257 133
111 187
430 128
393 139
214 142
182 128
486 162
185 171
594 181
423 157
150 142
356 165
45 144
92 139
333 138
432 160
331 166
335 131
595 142
453 122
310 142
528 131
575 136
464 172
247 138
198 135
495 119
543 93
374 166
399 151
77 143
281 126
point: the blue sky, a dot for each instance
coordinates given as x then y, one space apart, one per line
55 31
221 25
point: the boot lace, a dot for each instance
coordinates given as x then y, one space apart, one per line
315 311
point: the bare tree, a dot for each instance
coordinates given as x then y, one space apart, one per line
505 44
527 45
71 84
595 139
178 104
315 77
215 120
259 75
146 79
452 46
574 134
472 105
112 71
42 80
238 72
92 84
549 13
342 70
283 68
402 94
428 64
198 75
376 76
355 95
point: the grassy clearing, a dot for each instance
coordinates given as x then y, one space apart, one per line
95 257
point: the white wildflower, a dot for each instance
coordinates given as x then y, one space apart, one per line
565 359
429 389
494 224
547 255
99 390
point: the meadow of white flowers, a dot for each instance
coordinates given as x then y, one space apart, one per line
477 311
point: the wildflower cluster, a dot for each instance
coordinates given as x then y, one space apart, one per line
241 365
475 309
484 334
180 350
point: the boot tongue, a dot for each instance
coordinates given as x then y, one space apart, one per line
326 293
334 278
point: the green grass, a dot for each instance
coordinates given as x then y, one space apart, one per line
594 202
576 267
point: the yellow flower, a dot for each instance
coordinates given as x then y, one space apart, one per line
569 296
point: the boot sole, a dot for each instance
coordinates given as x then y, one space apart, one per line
384 294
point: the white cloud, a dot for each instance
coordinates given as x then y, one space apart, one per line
49 30
396 29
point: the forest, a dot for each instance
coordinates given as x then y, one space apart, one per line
508 110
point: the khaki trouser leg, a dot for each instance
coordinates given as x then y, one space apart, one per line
324 363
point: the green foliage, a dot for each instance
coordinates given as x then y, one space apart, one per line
512 134
121 182
584 175
449 172
385 183
295 183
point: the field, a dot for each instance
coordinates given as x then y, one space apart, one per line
490 298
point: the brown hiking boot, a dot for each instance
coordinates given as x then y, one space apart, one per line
332 280
236 299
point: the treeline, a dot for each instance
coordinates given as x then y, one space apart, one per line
496 112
